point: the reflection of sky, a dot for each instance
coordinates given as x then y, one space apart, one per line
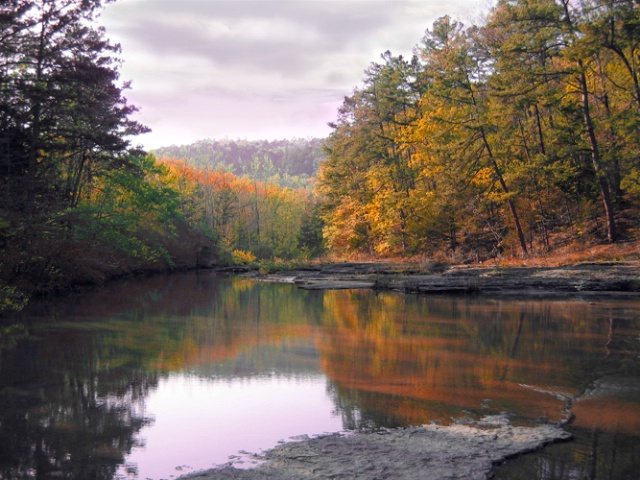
201 422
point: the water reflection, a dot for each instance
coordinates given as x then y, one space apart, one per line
431 357
217 419
592 455
195 367
63 414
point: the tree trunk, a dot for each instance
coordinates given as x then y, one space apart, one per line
503 184
595 157
593 141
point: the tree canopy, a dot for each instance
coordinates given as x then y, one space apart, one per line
79 203
493 138
290 163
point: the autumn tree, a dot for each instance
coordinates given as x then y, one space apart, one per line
261 218
74 190
526 95
454 57
505 132
367 178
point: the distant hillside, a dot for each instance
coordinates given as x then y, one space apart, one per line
261 159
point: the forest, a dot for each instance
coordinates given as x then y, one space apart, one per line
248 219
287 162
509 138
80 204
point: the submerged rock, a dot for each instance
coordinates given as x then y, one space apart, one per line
430 451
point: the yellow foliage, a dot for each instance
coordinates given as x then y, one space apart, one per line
484 177
242 257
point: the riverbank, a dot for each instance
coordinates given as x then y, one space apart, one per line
584 279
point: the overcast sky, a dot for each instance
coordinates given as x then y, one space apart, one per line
257 69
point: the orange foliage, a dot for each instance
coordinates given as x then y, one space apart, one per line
242 213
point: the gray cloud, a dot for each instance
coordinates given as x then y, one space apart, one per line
282 35
253 63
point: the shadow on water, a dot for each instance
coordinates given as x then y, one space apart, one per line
77 373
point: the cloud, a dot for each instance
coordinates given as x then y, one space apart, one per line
255 65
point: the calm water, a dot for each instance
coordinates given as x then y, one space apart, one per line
154 378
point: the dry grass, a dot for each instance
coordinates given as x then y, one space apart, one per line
573 254
570 254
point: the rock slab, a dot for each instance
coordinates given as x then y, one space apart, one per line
586 279
430 451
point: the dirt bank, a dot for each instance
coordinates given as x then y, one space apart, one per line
621 278
439 452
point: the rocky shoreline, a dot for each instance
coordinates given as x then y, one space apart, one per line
585 279
468 451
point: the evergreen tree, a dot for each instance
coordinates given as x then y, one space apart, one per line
63 115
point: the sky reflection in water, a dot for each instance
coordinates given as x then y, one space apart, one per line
201 422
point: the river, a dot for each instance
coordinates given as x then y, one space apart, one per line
156 377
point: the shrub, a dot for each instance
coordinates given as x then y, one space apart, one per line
242 257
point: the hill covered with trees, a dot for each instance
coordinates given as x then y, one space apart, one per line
286 162
255 198
247 218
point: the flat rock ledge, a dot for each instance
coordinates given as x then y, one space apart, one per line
584 279
430 451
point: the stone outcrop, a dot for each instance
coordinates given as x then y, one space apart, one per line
583 279
430 451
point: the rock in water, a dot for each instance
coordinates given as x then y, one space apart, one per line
431 451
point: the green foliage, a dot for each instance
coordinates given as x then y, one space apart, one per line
78 204
127 221
631 183
135 212
63 116
310 239
274 265
11 300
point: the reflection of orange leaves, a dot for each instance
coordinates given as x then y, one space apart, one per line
432 371
607 413
436 351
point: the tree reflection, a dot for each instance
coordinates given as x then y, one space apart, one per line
592 455
419 359
73 383
63 415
